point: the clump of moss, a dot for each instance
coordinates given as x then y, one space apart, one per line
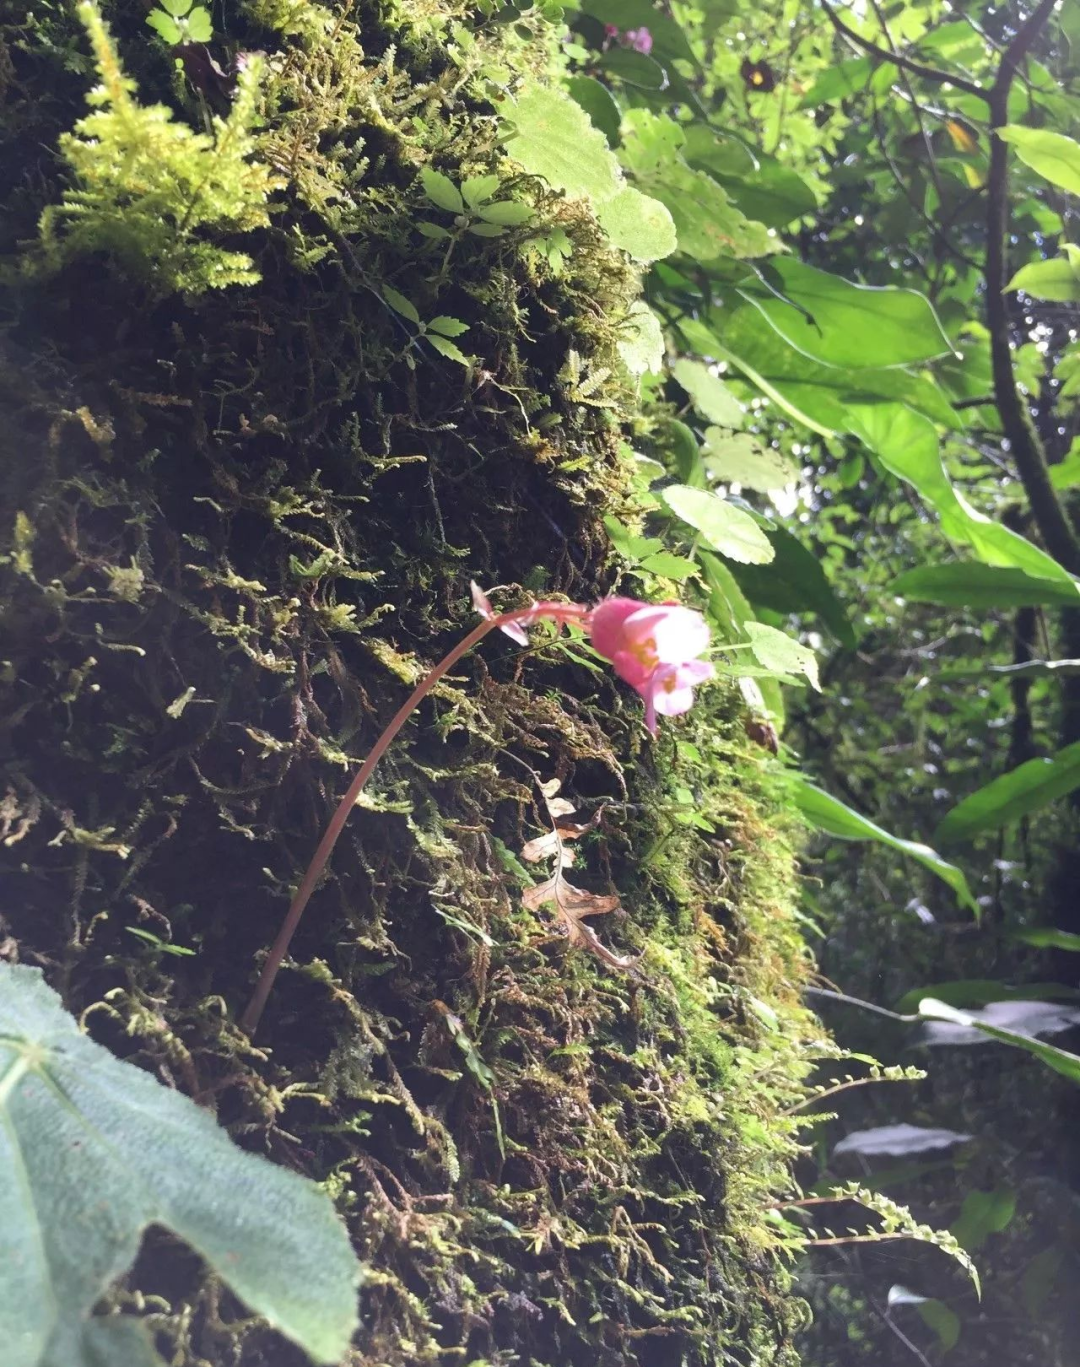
246 522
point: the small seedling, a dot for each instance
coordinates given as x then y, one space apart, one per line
438 331
181 21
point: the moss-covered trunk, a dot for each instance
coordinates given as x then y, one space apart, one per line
239 523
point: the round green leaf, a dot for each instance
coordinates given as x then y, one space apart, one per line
726 529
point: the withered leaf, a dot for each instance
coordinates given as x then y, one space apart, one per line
572 904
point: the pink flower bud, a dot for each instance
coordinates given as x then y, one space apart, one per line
640 39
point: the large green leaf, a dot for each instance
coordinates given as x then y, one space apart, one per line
759 186
1052 155
774 195
794 581
92 1151
839 323
781 653
551 136
839 81
712 398
975 585
1009 796
707 223
668 39
1057 279
739 458
639 224
829 814
907 445
725 528
813 394
1057 1059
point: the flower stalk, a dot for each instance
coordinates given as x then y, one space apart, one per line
651 646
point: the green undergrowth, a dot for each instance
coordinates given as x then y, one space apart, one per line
242 521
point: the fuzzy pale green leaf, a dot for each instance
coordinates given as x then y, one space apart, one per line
638 224
552 136
94 1151
738 458
725 528
712 398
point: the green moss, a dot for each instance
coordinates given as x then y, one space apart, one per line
248 519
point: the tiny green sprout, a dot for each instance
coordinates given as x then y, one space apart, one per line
437 331
181 21
472 205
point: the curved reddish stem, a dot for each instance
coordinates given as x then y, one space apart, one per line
249 1021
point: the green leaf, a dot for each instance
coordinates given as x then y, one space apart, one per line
712 398
199 26
448 349
642 348
839 81
479 189
400 304
1066 473
975 585
1038 1279
781 653
907 445
1057 1059
638 224
635 68
487 229
598 103
685 453
937 1316
442 191
627 544
771 193
707 223
510 212
829 814
813 394
669 566
794 581
739 459
726 529
176 7
849 325
1047 937
164 26
447 327
96 1150
1057 280
1010 796
669 40
978 992
433 230
552 136
982 1214
1052 155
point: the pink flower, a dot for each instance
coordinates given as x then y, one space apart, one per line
670 689
653 647
640 39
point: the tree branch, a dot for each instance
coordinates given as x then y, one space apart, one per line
929 73
1027 450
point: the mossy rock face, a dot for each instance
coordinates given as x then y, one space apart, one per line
239 524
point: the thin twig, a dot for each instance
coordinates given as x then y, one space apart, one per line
929 73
